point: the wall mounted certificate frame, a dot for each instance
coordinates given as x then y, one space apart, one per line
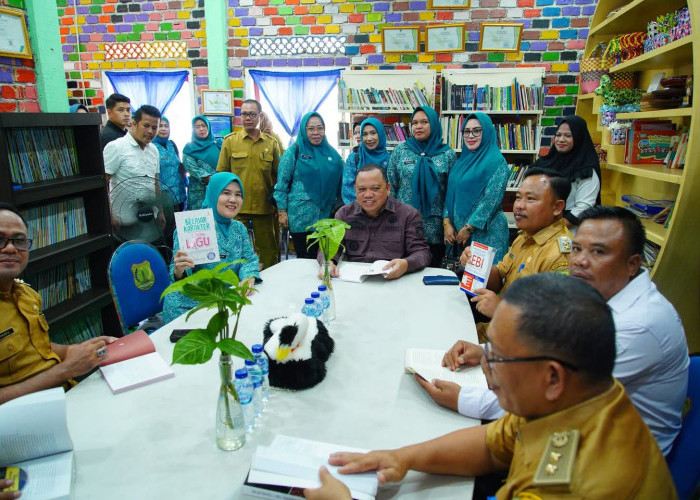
14 38
401 40
445 38
217 102
449 4
500 37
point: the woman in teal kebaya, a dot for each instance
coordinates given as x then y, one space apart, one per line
200 158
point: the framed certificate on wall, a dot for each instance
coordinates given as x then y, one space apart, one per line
500 37
14 38
217 102
449 4
445 38
401 40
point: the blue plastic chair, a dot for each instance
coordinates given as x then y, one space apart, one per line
137 276
684 459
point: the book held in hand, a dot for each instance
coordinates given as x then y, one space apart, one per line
196 235
131 362
357 272
477 270
428 364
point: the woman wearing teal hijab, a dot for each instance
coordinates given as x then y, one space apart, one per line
475 189
372 149
224 195
308 182
418 171
199 159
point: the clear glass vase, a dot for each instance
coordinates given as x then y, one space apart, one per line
230 428
330 312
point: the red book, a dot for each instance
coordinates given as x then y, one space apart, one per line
131 346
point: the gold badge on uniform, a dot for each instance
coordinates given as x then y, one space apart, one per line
564 244
144 278
557 463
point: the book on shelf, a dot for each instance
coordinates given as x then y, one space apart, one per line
62 282
427 363
676 155
371 98
132 362
41 153
517 173
82 329
477 97
55 222
35 438
649 141
291 464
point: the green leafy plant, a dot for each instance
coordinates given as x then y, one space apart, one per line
218 289
328 234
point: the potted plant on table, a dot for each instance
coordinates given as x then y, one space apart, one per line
328 234
221 290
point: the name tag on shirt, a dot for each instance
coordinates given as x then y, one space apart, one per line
7 333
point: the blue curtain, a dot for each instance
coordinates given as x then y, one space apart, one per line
156 88
292 95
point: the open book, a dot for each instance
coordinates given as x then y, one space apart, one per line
357 272
34 437
428 364
131 362
294 463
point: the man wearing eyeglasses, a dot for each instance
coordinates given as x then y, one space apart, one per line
570 431
254 156
652 354
29 361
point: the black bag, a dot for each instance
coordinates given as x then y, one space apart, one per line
451 259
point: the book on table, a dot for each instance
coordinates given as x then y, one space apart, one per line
289 464
132 361
34 437
357 272
427 363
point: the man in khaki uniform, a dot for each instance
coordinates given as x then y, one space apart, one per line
572 432
543 244
29 362
254 156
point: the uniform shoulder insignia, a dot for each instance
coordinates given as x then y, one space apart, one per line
564 244
557 463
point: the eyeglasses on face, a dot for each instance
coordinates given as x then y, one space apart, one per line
319 128
21 243
491 358
249 115
476 132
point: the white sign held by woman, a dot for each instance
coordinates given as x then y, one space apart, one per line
196 234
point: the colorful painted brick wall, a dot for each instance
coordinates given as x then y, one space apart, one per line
100 35
17 78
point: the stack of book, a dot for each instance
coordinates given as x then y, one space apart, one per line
49 224
41 153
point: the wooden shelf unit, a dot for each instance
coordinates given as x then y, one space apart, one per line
677 269
90 185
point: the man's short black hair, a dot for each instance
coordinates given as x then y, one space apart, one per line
565 318
116 98
146 110
355 124
11 208
373 166
561 187
631 225
253 101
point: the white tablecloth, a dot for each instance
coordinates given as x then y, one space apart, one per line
158 441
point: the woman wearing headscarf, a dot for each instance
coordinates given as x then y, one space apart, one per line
418 171
200 159
372 149
171 172
224 195
475 189
573 156
308 182
78 108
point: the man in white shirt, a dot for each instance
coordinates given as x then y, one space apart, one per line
134 156
652 354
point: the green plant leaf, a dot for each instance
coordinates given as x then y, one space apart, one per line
217 323
235 348
194 348
200 291
328 234
201 305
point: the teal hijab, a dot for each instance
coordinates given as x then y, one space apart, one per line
425 183
377 156
472 170
206 149
158 139
320 167
217 183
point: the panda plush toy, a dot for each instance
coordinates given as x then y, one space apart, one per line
298 348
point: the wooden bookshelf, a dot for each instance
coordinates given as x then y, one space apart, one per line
677 268
97 244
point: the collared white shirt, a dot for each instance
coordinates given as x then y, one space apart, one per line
124 159
652 361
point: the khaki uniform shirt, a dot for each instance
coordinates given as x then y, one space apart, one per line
25 348
614 454
256 164
547 250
